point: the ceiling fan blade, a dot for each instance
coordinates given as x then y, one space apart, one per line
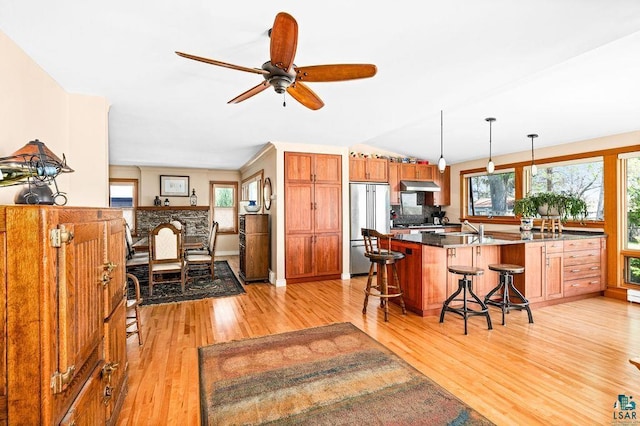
249 93
223 64
301 93
284 41
338 72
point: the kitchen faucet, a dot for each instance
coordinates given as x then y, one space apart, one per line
479 231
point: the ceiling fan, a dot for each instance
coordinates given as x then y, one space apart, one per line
281 73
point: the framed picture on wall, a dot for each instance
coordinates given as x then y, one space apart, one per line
174 186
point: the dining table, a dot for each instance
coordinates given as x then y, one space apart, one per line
188 243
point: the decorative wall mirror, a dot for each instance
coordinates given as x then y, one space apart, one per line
252 188
266 195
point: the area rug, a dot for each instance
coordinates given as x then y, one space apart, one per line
330 375
200 287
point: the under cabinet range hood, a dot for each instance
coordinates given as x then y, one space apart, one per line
419 185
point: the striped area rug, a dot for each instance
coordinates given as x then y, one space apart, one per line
330 375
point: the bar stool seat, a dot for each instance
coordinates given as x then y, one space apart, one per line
380 259
501 295
468 296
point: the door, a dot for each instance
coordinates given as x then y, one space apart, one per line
358 212
381 208
299 212
80 288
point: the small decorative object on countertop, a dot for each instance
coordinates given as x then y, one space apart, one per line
157 202
193 199
166 201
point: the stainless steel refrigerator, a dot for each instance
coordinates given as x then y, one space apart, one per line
370 208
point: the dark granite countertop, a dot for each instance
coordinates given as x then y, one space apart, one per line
459 239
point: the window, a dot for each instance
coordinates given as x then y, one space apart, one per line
631 217
583 178
123 194
224 205
491 194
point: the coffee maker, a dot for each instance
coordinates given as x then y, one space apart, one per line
438 217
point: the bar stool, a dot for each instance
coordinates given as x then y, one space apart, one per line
468 296
380 258
504 290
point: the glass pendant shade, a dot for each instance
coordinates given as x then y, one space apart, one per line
534 170
491 167
442 164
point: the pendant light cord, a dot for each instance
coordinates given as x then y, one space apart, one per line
441 144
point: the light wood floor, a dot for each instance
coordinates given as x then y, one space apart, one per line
566 368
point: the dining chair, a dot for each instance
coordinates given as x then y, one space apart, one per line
166 258
205 258
205 245
133 309
133 257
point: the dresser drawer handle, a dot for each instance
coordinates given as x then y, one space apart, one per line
576 270
593 268
594 282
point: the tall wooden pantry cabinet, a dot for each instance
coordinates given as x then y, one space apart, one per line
254 247
62 272
313 216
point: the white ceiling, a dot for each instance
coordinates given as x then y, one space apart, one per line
568 70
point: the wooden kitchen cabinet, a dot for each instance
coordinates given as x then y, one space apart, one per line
64 338
368 169
254 247
480 257
394 183
443 180
313 216
542 277
411 171
409 273
584 266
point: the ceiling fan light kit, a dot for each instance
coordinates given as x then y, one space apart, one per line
283 75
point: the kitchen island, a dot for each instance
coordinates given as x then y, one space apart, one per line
558 267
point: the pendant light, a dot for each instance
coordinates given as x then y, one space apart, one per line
442 164
490 166
534 169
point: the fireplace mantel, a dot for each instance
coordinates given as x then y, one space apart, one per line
167 208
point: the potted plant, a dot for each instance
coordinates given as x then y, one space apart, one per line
552 205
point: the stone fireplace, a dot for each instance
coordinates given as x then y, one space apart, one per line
195 219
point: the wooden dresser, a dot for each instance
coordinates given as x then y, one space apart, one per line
254 247
63 331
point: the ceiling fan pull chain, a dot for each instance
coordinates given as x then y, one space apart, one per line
284 99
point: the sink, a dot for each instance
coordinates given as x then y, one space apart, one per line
457 234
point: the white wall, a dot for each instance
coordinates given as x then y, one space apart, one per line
149 187
34 106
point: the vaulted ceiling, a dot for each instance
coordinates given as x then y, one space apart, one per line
568 70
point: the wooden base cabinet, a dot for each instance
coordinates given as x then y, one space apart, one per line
63 331
254 247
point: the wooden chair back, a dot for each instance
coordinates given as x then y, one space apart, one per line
165 244
372 240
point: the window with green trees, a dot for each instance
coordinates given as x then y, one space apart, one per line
224 206
580 178
491 194
632 217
